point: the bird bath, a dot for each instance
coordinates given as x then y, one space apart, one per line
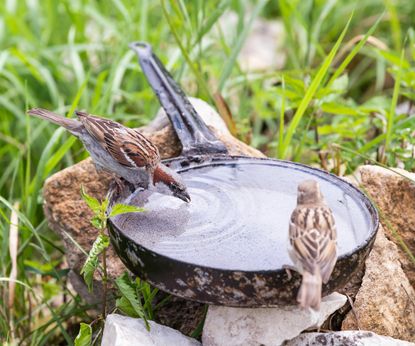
229 245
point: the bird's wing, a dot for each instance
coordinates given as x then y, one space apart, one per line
138 148
127 146
313 238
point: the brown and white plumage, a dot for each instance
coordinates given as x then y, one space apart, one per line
313 249
128 146
121 150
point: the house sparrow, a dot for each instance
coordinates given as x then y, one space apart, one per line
118 149
313 236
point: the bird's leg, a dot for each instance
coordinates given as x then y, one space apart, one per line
288 268
150 170
119 189
289 275
130 186
115 190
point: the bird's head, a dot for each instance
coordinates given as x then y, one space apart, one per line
309 193
170 183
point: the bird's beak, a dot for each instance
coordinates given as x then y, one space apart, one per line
183 195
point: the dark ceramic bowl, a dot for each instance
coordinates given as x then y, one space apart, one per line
229 245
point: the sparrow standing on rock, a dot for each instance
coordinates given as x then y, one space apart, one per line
118 149
312 242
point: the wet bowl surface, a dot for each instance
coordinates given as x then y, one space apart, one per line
229 245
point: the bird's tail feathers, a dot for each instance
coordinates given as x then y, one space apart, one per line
309 294
72 125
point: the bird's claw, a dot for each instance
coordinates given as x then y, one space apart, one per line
288 270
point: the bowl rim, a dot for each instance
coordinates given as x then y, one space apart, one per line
183 164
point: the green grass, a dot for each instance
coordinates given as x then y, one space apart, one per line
64 55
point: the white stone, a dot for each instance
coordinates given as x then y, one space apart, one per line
126 331
267 326
351 337
263 49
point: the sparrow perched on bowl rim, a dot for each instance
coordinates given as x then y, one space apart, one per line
313 236
122 151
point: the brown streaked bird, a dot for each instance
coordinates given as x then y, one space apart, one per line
122 151
313 240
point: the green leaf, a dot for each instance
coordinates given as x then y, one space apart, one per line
84 336
92 202
91 263
50 289
127 290
96 222
338 108
149 294
125 306
376 104
395 59
40 266
104 204
341 83
124 208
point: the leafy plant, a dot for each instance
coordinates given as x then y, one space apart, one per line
101 243
131 297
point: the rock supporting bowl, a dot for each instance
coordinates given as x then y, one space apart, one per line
229 245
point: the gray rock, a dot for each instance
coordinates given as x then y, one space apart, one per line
385 301
393 191
349 338
267 326
126 331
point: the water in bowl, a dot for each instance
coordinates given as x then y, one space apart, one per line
238 217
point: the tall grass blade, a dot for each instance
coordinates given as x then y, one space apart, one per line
391 114
315 84
353 52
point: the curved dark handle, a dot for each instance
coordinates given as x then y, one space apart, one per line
195 136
